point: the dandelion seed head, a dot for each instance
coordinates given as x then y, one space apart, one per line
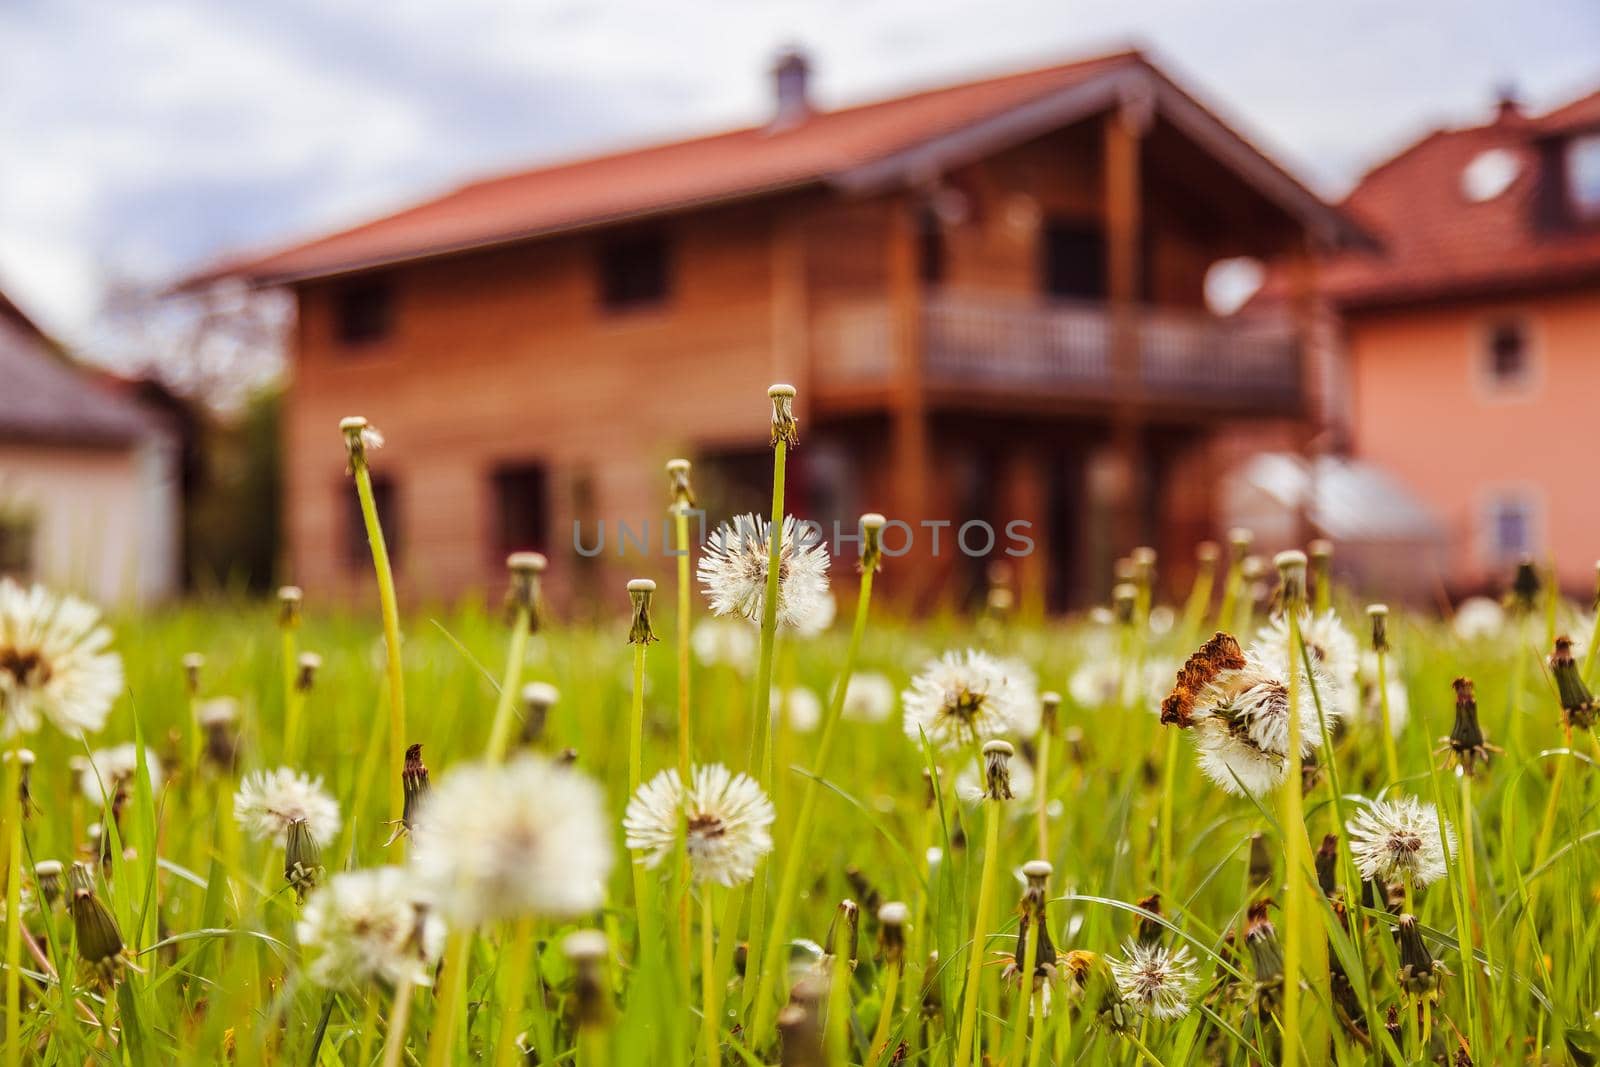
868 698
368 925
725 819
1400 841
800 706
55 663
109 770
733 570
966 697
1335 656
269 801
1154 980
530 837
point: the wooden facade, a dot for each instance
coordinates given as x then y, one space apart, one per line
1017 333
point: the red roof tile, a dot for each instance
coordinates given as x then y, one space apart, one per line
827 146
1439 242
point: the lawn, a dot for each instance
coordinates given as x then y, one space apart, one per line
891 872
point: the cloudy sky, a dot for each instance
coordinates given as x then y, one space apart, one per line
141 137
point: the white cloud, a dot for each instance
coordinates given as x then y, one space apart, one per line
150 134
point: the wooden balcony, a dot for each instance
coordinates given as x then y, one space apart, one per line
1006 353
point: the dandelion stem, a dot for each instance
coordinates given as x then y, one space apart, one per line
1146 1054
1304 949
394 1042
1169 774
986 880
1391 755
710 982
891 992
519 955
793 861
510 684
13 822
1042 788
454 990
1019 1025
389 606
293 699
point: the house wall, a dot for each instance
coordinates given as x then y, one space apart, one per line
1424 407
508 356
106 521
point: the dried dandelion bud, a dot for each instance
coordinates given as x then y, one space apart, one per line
1034 922
931 999
47 876
193 662
1123 598
1206 554
802 1036
1525 587
1266 955
290 599
219 718
844 931
1239 542
567 757
997 773
1049 711
537 700
784 426
302 859
1328 864
1292 578
360 437
1261 865
872 525
1420 974
1578 707
1379 614
641 591
678 484
25 760
892 919
1149 930
863 888
1144 566
522 594
930 789
1467 744
309 663
587 950
99 941
413 784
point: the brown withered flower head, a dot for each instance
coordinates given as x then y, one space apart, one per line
1467 746
1220 653
1578 707
1420 974
1035 898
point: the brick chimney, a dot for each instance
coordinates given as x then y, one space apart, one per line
791 82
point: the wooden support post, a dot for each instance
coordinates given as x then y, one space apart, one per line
910 444
1124 128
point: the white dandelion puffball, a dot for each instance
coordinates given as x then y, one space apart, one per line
110 769
724 643
1333 651
54 662
801 707
1241 726
1097 684
868 698
1401 840
268 801
1478 618
963 698
726 816
1154 980
531 837
733 569
369 926
816 624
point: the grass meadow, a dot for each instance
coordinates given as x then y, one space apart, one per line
1186 924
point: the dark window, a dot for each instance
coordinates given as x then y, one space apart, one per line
1511 528
364 311
1583 174
16 544
634 272
1073 260
522 509
357 552
930 247
1508 353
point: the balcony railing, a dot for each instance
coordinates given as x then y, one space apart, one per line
1064 350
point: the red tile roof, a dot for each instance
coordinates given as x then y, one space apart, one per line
827 146
1440 243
